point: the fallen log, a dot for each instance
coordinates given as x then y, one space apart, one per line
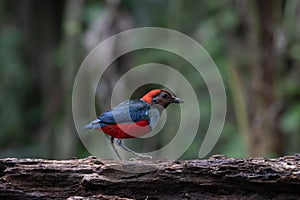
94 178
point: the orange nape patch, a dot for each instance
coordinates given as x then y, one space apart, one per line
131 130
149 96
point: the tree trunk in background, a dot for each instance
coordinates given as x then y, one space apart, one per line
265 136
41 23
53 54
112 20
65 135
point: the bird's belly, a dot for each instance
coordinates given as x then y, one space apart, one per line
127 130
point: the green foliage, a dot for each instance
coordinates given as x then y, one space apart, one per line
295 51
290 122
15 82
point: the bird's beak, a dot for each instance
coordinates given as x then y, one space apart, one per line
177 100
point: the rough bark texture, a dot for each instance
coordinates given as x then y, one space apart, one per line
218 177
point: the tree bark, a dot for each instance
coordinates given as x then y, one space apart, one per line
93 178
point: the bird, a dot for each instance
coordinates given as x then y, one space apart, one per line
133 118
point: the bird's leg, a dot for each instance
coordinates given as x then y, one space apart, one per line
119 142
113 145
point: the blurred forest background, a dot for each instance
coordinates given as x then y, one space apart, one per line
255 44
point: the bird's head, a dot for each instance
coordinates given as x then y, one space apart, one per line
161 97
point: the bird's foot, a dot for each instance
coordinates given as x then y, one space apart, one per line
141 157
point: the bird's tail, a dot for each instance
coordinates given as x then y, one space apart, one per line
93 125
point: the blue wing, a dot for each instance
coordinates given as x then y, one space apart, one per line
126 112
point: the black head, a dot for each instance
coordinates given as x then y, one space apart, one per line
164 98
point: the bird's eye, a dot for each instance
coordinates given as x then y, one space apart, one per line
164 96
